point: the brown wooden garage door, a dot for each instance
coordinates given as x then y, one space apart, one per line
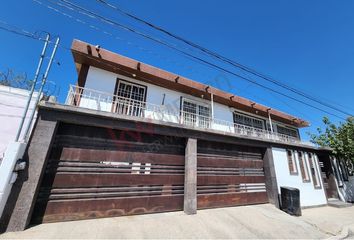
96 172
229 175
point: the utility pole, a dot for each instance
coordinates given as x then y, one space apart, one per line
32 88
44 80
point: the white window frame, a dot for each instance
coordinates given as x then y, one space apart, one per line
291 128
250 117
303 160
199 120
316 169
129 105
294 171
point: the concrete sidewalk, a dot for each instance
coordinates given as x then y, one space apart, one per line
258 221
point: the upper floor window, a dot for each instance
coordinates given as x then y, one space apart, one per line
314 172
287 131
303 167
243 119
291 162
129 98
195 113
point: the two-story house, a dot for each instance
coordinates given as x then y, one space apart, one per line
132 139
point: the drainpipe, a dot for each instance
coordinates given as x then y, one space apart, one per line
270 121
212 105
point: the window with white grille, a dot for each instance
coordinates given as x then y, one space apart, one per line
287 131
195 113
130 98
243 119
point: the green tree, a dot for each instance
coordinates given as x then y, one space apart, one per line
339 138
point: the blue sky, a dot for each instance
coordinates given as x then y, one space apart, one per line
305 44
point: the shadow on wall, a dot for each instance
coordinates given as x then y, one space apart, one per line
348 190
14 194
345 179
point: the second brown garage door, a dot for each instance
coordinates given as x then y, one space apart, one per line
96 172
229 175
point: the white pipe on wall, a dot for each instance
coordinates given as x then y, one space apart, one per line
14 151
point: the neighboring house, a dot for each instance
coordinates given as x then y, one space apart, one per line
12 104
338 176
133 139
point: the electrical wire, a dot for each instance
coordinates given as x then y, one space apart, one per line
25 33
225 59
179 64
91 14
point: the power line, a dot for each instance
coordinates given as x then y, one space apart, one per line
11 29
128 42
31 35
91 14
224 59
69 49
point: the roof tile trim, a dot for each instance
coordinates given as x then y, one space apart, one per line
85 53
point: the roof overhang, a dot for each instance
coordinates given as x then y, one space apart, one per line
85 53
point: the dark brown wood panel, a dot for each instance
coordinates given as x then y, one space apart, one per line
104 180
231 199
97 208
224 179
94 155
95 172
222 162
229 175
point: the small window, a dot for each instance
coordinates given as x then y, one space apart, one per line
314 171
291 163
303 167
287 131
129 98
195 113
243 119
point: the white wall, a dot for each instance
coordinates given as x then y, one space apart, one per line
309 196
101 80
12 103
14 151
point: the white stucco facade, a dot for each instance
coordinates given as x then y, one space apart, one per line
309 195
12 104
104 81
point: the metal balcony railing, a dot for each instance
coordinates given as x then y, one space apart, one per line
102 101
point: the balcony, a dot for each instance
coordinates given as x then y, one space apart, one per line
101 101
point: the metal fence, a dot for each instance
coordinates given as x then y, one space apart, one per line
102 101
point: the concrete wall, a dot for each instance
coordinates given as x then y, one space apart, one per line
12 103
309 195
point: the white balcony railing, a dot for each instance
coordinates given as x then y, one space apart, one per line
102 101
